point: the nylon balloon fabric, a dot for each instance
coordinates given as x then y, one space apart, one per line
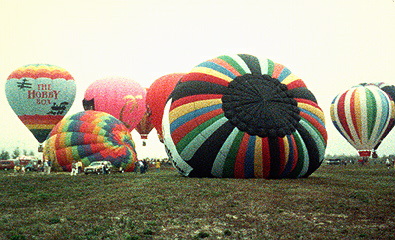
91 136
362 114
239 116
40 95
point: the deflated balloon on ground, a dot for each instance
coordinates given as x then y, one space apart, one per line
240 116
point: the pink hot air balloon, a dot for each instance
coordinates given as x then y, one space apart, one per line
121 97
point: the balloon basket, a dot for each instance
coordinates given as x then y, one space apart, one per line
40 148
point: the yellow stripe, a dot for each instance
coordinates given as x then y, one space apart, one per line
211 72
286 149
258 166
192 106
357 106
290 78
40 126
314 110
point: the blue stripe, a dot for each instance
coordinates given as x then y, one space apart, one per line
249 158
191 115
217 68
284 73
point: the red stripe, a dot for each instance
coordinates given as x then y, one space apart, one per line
296 84
341 112
295 153
40 119
278 68
196 76
239 171
265 158
187 127
353 114
282 155
40 73
316 124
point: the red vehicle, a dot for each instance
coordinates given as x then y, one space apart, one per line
7 164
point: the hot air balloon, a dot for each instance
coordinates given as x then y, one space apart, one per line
91 136
145 126
362 115
40 95
157 95
239 116
390 91
121 97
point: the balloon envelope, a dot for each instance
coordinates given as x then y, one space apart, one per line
157 95
123 98
243 117
145 126
40 95
362 114
91 136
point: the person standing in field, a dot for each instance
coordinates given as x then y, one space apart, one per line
74 168
157 166
388 163
47 167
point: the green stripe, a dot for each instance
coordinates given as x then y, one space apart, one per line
270 67
196 131
229 165
233 63
371 111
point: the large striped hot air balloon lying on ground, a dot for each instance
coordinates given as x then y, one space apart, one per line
362 115
91 136
40 95
243 117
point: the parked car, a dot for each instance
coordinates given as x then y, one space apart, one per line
334 161
98 167
7 164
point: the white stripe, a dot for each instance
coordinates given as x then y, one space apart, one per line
177 160
218 165
240 62
264 63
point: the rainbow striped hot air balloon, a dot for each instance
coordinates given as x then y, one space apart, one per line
362 114
91 136
40 95
243 117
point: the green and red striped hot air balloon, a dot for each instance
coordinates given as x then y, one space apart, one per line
362 114
40 95
239 116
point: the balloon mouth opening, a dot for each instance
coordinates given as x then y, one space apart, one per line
261 105
364 153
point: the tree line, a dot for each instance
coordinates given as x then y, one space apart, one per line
4 155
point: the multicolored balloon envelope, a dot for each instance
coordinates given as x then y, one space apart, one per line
362 115
40 95
91 136
121 97
238 116
157 95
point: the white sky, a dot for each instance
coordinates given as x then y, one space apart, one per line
331 44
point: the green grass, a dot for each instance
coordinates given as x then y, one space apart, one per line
336 202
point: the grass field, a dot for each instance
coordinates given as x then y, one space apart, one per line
336 202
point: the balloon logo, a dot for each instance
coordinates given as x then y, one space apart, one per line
243 117
121 97
40 95
91 136
362 115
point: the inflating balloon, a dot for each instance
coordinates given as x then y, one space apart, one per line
40 95
91 136
145 126
243 117
362 115
157 95
390 91
121 97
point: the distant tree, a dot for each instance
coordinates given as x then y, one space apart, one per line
31 153
25 152
4 155
16 152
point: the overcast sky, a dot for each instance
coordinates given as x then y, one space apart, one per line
330 44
